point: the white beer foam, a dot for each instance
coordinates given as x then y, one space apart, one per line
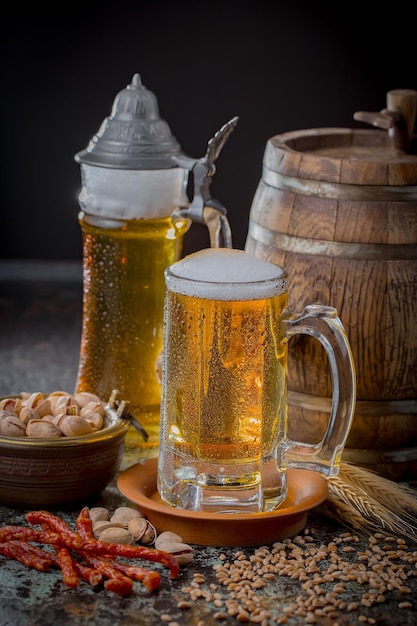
226 274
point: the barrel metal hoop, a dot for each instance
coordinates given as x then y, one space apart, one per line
320 247
377 408
336 191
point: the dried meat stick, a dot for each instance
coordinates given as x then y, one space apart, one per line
28 547
102 548
54 523
24 533
65 562
88 574
84 524
149 578
15 551
116 581
84 527
64 559
119 586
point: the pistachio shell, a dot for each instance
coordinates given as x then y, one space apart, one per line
74 426
6 401
149 535
62 403
100 525
41 428
124 514
14 405
168 537
94 419
27 414
115 534
137 526
182 551
12 426
84 397
99 513
173 544
33 400
5 413
96 407
54 397
43 407
57 419
144 533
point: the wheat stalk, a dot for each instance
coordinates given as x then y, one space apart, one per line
401 499
365 500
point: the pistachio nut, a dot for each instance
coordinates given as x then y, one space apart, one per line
54 397
5 413
32 400
142 530
74 426
13 405
173 544
94 418
42 428
168 537
182 552
26 414
96 406
42 408
149 535
12 426
99 513
62 403
124 514
84 397
101 525
115 534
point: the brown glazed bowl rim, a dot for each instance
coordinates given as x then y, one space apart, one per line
114 427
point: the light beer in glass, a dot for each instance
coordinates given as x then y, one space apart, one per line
223 441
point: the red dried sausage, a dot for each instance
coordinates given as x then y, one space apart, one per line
132 552
116 582
69 575
14 550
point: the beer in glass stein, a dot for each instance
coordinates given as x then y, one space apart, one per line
134 213
223 443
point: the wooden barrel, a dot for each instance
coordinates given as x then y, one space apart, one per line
338 209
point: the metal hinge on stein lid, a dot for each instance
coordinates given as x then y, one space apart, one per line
203 208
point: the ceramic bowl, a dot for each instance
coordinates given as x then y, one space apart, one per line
40 473
306 490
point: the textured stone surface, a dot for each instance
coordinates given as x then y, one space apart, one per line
40 326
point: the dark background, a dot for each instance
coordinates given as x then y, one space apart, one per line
279 66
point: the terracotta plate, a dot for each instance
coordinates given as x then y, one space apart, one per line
306 489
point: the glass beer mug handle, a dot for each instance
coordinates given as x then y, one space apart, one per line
323 323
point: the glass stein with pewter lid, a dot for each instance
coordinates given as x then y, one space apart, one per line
134 214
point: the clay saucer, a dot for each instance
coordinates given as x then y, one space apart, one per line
306 490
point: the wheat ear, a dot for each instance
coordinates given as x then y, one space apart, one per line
364 500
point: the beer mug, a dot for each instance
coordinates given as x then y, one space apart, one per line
224 445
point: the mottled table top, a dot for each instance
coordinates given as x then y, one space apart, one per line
40 328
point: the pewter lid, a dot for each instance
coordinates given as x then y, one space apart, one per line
134 136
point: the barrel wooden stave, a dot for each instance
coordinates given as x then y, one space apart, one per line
358 254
